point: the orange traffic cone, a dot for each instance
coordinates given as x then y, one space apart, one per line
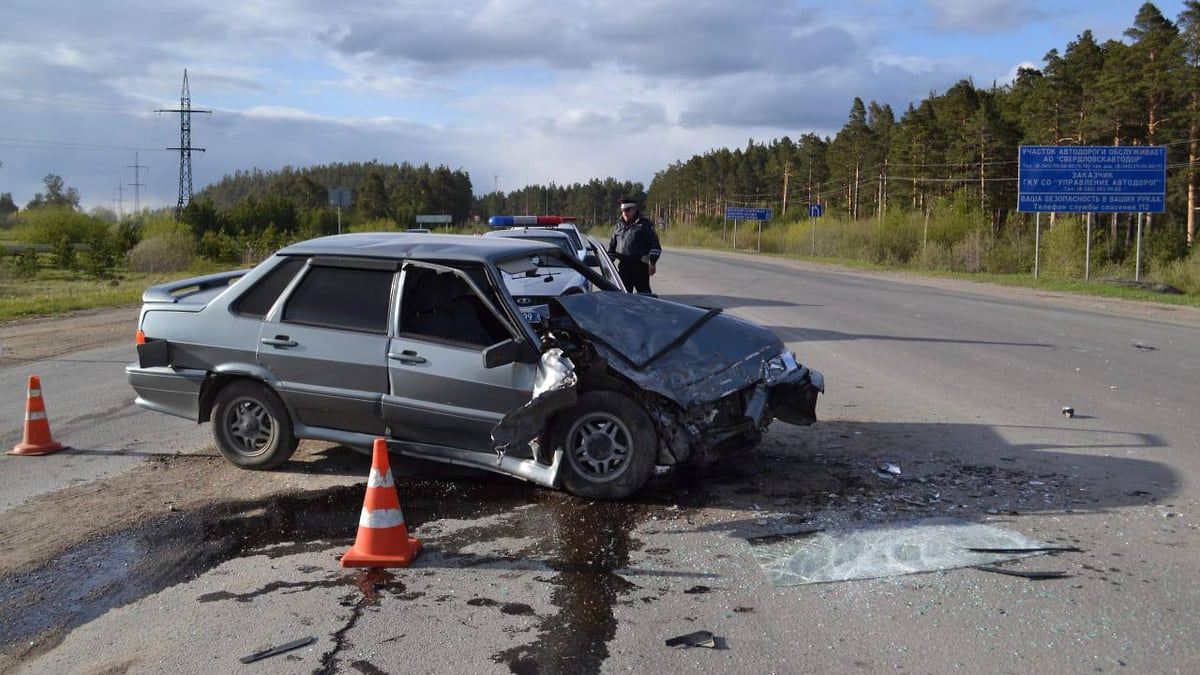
37 440
383 539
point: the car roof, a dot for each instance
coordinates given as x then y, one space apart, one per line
404 245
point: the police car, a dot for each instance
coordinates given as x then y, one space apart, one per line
552 278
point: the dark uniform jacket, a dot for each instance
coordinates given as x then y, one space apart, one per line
635 240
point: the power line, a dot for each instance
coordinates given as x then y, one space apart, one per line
137 186
185 148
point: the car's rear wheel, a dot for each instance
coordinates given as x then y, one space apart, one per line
251 426
608 443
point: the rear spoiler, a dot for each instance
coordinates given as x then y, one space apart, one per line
178 290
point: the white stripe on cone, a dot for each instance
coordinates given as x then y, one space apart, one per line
35 416
377 480
381 518
35 392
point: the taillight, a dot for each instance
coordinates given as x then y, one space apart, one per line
141 337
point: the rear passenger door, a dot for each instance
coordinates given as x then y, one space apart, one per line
327 343
439 391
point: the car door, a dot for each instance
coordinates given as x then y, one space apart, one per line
326 343
608 269
439 391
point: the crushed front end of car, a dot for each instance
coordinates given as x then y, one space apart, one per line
712 383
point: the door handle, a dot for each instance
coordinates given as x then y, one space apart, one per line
279 341
407 356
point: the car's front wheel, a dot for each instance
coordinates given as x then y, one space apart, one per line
609 445
251 426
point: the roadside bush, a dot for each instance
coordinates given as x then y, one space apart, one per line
64 255
165 252
1182 274
47 225
1063 249
968 253
101 258
219 247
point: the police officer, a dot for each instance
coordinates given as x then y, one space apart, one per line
635 247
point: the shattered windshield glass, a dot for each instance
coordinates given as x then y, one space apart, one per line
906 547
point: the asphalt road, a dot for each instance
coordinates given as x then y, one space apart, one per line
960 386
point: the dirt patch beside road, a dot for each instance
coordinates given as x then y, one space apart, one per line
45 337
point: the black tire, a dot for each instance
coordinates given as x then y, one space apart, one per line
251 426
609 446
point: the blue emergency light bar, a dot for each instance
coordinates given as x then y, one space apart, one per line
529 221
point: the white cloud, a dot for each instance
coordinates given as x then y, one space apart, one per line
563 92
982 16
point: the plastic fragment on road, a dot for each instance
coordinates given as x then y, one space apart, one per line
274 651
700 638
1068 411
892 549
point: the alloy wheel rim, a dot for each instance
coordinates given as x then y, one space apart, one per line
599 447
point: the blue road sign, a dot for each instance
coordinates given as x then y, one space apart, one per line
816 210
741 213
1092 179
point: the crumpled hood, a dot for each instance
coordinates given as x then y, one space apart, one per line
688 354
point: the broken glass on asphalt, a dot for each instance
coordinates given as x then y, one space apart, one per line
891 549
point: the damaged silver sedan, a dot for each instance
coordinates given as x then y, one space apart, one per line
414 338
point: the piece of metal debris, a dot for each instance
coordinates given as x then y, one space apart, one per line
1068 411
700 638
888 467
273 651
1045 574
1034 549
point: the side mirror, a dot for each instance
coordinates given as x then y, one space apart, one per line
501 353
509 351
591 260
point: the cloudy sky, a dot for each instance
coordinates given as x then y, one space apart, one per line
512 91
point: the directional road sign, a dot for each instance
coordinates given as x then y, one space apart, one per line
741 213
1092 179
816 210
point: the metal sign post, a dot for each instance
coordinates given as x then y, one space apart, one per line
340 198
1137 264
1087 248
1037 242
736 213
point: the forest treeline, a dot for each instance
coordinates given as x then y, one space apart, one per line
963 143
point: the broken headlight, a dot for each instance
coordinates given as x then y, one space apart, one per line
779 366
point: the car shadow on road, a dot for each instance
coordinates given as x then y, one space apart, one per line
848 473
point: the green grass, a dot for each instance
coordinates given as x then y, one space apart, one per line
54 291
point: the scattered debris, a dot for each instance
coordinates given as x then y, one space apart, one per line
700 638
1068 411
888 467
1047 574
274 651
697 590
1143 347
1034 549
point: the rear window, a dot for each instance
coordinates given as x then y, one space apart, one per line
341 297
257 301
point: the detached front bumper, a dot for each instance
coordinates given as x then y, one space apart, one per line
791 391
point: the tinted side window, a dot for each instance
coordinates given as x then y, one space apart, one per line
340 297
258 300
